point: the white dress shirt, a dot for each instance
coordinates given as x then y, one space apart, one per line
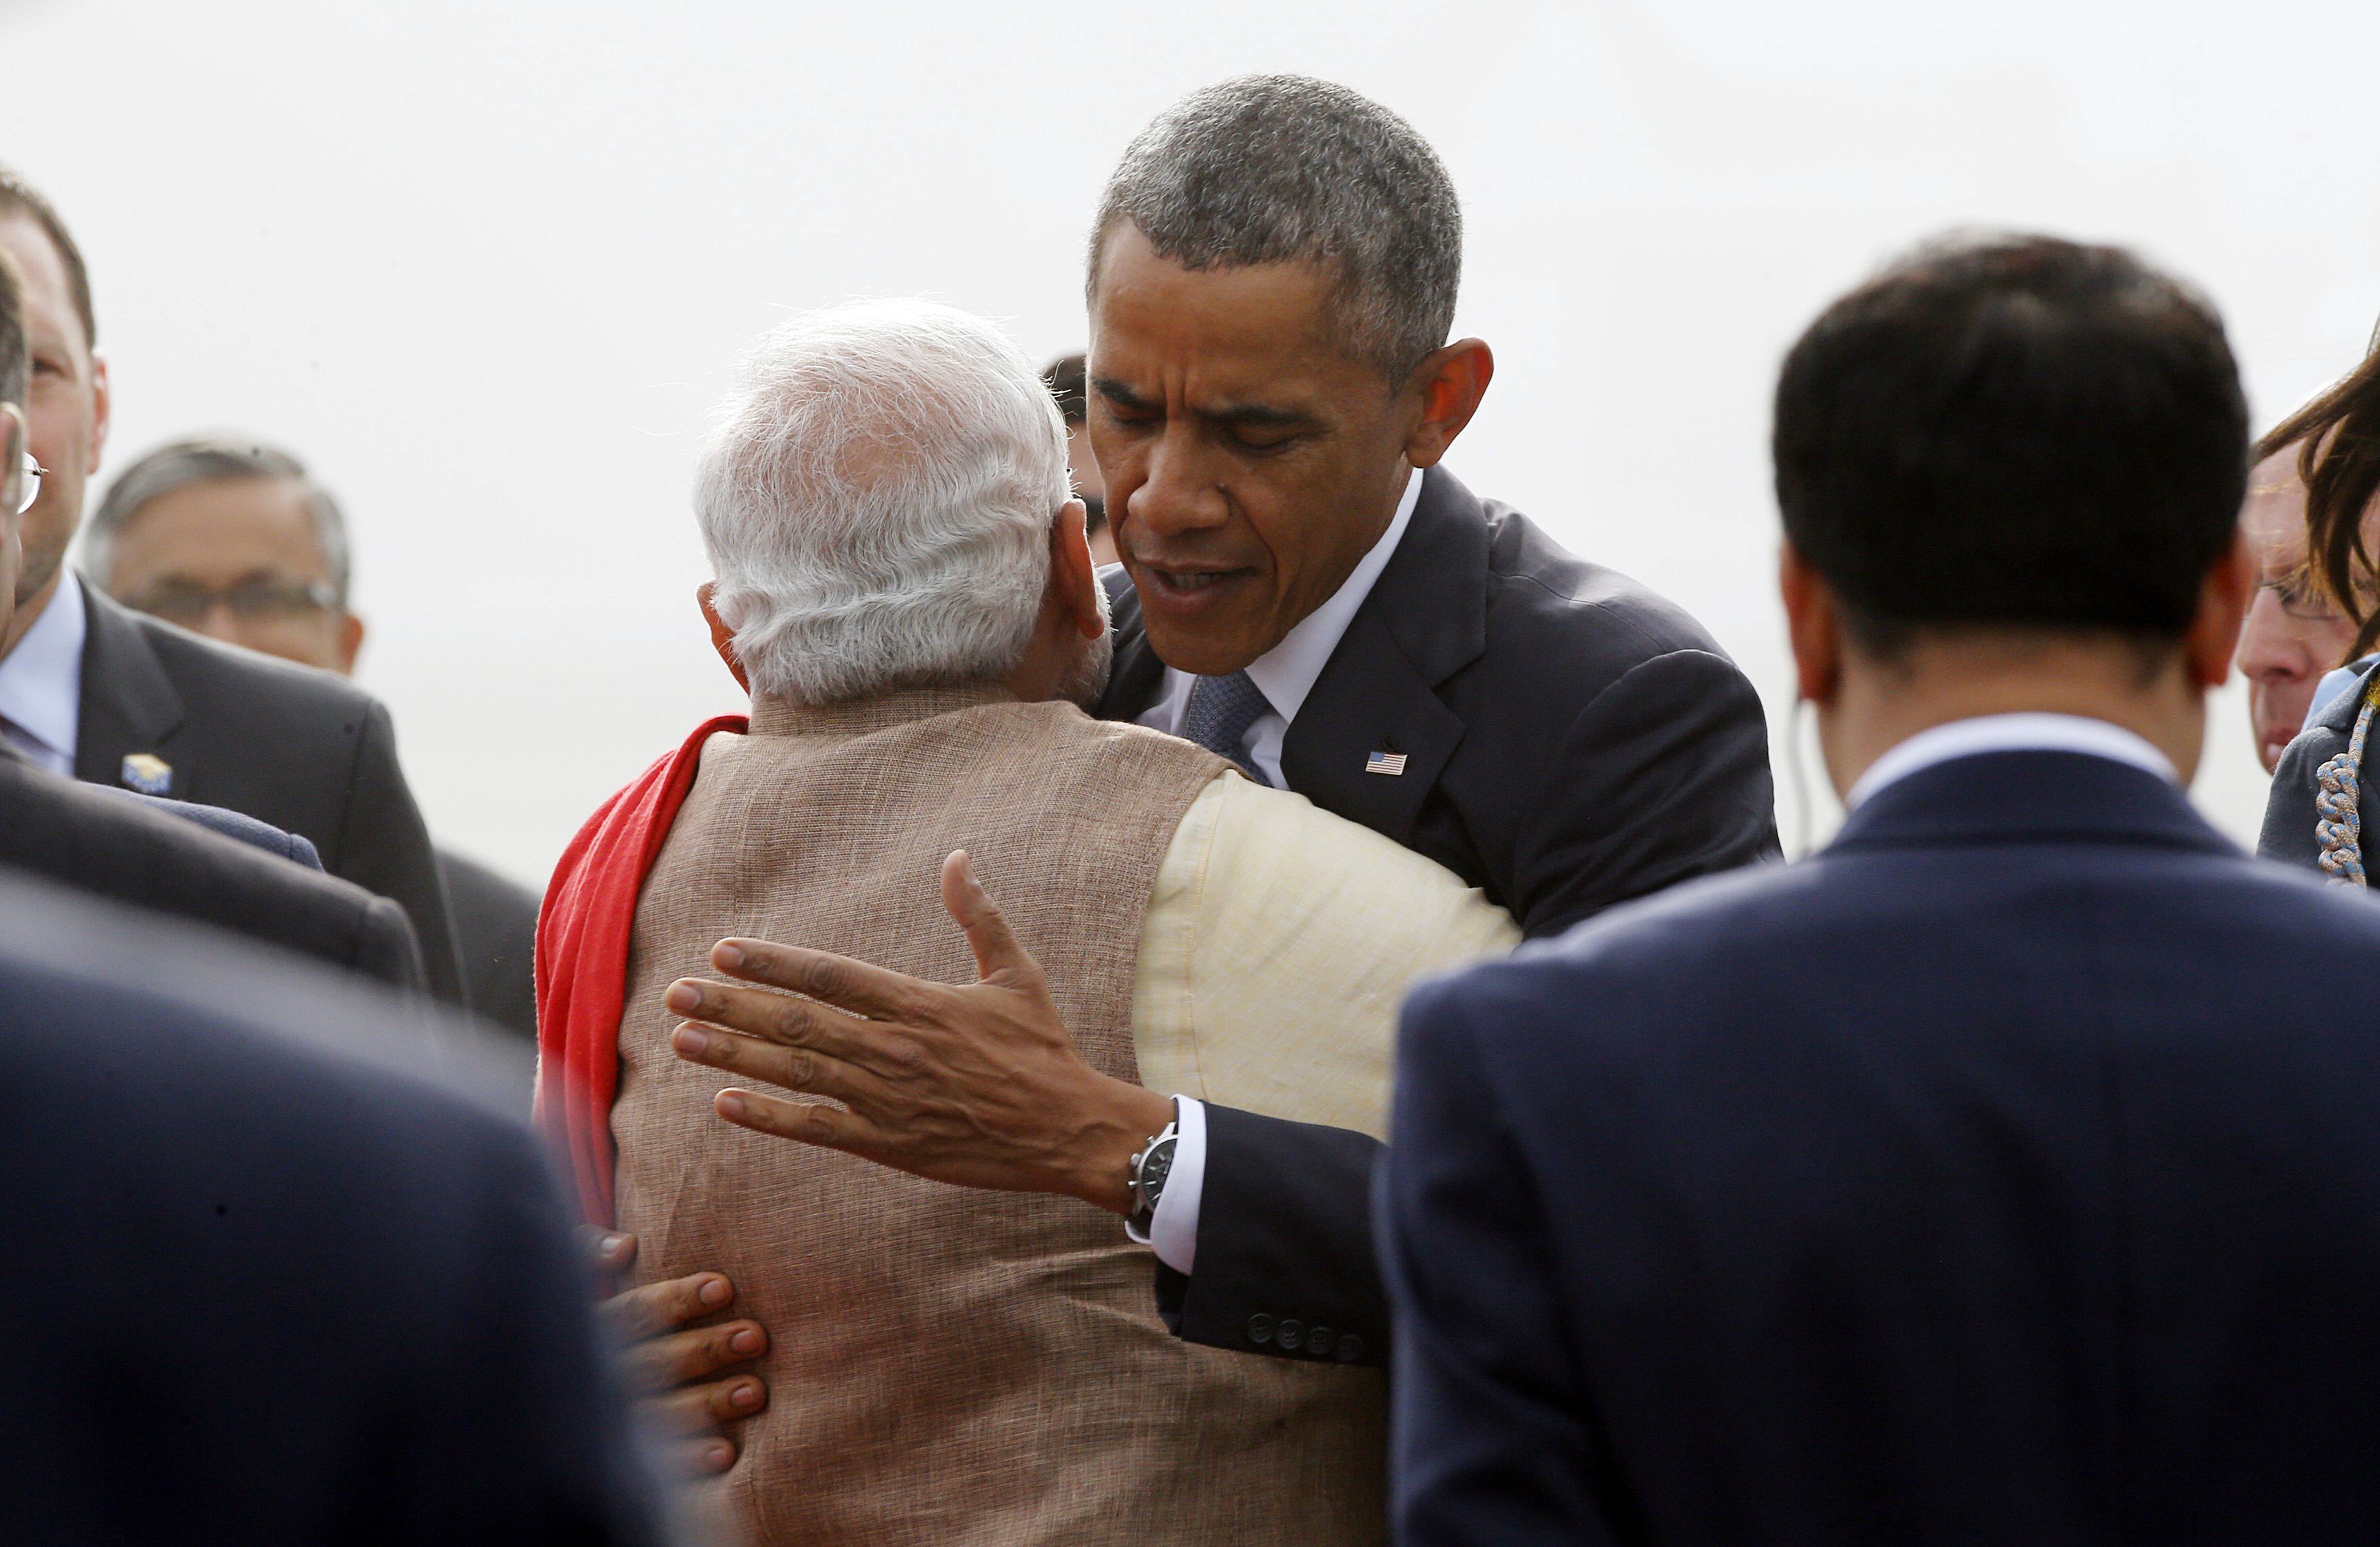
40 683
2009 733
1285 675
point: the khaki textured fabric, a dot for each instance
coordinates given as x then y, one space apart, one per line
949 1366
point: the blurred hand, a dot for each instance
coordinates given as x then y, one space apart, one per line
977 1085
677 1371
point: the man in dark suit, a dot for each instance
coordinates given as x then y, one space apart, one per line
238 542
89 689
1307 592
1998 1174
317 1292
253 879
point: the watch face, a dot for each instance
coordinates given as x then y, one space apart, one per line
1153 1169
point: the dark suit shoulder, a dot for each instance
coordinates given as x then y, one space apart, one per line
97 842
321 1231
1579 624
223 677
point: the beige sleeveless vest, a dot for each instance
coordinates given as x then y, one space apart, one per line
952 1366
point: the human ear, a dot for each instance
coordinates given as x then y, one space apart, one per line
1073 578
12 459
2224 597
103 411
1814 626
350 642
1451 381
723 638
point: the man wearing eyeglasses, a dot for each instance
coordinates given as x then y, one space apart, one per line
237 541
93 691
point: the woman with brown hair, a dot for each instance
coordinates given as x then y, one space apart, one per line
2314 817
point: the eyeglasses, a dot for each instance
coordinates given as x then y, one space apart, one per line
29 489
258 599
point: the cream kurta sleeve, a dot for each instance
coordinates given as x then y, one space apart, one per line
1278 943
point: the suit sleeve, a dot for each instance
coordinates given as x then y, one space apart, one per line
1663 777
1285 1235
385 948
1490 1438
384 848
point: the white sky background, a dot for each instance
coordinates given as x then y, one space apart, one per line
487 264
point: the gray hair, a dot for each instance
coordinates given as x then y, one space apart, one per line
1271 168
210 459
876 501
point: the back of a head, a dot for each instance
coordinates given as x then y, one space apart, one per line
2018 434
1282 168
877 502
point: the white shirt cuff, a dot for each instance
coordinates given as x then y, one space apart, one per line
1174 1231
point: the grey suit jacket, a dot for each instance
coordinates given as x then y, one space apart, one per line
300 749
2289 811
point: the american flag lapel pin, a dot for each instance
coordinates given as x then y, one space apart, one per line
1391 763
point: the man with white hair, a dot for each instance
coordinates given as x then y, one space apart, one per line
905 588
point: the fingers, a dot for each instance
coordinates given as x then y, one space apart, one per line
653 1308
614 1252
997 954
708 1457
806 1122
794 1068
851 985
677 1358
775 1017
695 1410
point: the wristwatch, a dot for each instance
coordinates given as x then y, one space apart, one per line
1149 1169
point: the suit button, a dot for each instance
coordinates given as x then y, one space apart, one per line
1351 1349
1318 1341
1260 1328
1289 1334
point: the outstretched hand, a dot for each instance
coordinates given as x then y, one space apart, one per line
976 1084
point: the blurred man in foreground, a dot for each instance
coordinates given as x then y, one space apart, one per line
90 689
1993 1175
2295 634
905 587
236 541
277 1283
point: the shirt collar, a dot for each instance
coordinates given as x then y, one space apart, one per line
1286 673
41 680
2009 733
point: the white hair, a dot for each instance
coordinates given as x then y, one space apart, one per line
877 500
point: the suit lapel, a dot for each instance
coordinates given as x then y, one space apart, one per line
1138 676
128 705
1425 618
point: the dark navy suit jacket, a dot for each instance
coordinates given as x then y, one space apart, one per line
279 1270
2007 1173
1572 740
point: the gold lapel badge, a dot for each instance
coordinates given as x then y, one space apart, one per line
147 773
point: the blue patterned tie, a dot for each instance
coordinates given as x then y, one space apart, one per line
1221 709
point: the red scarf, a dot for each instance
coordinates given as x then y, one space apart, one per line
582 962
